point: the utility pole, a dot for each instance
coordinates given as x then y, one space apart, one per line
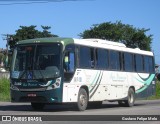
7 38
7 50
7 43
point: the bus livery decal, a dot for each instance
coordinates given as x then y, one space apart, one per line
146 82
97 85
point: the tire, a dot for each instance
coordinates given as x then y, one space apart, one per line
131 98
37 106
82 101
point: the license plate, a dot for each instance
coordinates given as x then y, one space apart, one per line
32 95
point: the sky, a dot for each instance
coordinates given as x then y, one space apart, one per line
70 18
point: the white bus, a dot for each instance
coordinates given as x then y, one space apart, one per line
81 71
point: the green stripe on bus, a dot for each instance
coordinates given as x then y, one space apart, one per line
146 83
94 80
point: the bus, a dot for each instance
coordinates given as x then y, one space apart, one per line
83 72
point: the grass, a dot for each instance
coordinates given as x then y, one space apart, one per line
157 95
158 89
4 89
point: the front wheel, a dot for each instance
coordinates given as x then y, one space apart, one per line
37 106
82 100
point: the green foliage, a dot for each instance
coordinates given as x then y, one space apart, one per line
157 95
118 32
1 57
158 89
29 32
4 89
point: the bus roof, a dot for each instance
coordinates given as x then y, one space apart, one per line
65 41
88 42
110 45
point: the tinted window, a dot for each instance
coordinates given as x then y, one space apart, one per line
114 60
102 59
47 55
92 61
84 57
146 64
151 64
69 62
128 62
139 63
38 61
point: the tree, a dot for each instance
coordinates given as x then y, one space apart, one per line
118 32
1 58
46 33
29 32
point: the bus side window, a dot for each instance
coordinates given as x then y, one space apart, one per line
69 62
114 60
139 63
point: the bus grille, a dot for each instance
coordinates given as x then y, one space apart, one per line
33 89
33 99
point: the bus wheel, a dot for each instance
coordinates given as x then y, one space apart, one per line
37 106
82 100
131 98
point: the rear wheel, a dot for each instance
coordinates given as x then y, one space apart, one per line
37 106
82 100
130 99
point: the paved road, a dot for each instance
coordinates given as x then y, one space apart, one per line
142 107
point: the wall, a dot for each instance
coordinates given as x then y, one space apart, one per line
5 75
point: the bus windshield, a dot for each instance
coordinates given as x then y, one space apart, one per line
36 61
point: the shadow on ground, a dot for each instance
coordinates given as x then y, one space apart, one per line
57 108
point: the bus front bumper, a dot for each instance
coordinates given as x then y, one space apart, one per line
48 96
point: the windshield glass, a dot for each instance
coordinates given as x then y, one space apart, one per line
36 61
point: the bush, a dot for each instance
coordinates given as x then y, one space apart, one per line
4 89
157 95
158 89
158 76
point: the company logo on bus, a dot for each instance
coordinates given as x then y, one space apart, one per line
30 75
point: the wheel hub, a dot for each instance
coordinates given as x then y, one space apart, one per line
82 100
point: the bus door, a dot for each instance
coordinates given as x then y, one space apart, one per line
69 65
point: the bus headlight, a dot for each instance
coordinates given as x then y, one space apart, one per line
13 87
58 81
55 85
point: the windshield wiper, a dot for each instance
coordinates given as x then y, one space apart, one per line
24 72
34 61
39 69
